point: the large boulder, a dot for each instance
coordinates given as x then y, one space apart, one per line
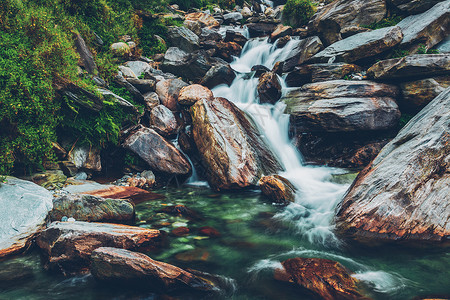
91 208
157 152
87 158
231 148
329 21
168 91
418 93
325 279
115 264
413 7
232 18
278 189
163 120
428 28
193 93
183 38
320 72
402 196
412 66
192 66
302 51
24 209
68 246
341 105
361 46
269 88
280 31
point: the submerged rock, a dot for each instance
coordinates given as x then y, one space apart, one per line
24 208
324 278
402 196
232 150
277 188
135 194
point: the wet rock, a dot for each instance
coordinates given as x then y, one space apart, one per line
320 72
303 50
194 26
412 66
68 246
331 19
260 29
183 38
50 179
278 68
193 93
428 28
230 146
15 273
269 88
277 189
220 74
163 121
91 208
151 100
227 50
361 46
86 158
206 19
160 154
341 105
279 32
135 194
143 85
413 7
233 36
417 94
259 70
196 255
86 57
24 209
168 91
324 278
181 211
232 18
281 42
409 182
209 231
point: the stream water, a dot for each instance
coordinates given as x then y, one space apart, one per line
255 235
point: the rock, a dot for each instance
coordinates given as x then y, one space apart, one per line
120 49
340 105
127 72
220 74
233 36
86 158
428 28
181 211
163 121
193 93
137 96
230 146
320 72
15 273
180 231
406 201
331 19
209 231
110 96
82 97
139 68
69 169
361 46
269 88
194 26
193 66
68 246
278 68
232 18
210 35
160 154
412 66
324 278
143 85
168 91
246 12
413 7
259 70
25 206
301 52
203 18
151 100
279 32
417 94
91 208
281 42
227 50
135 194
50 179
260 29
352 30
444 46
277 188
183 38
86 57
195 255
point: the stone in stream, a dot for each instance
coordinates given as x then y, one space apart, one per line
342 105
157 152
67 246
232 150
329 21
304 49
414 6
193 93
164 121
417 94
277 188
279 32
269 88
411 66
402 196
91 208
168 91
228 50
233 36
15 273
135 194
24 208
183 38
325 279
360 46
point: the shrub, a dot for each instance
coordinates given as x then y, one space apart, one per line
297 13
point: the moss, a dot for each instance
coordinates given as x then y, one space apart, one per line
297 13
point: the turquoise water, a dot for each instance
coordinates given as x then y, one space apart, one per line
251 243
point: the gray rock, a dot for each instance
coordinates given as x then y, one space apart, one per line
402 196
86 158
127 72
83 97
137 96
302 51
209 34
110 96
444 46
183 38
191 66
417 94
320 72
143 85
151 100
163 121
220 74
194 26
260 29
24 209
87 59
138 67
232 17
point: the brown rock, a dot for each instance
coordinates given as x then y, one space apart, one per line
279 32
233 36
227 50
260 29
163 121
197 254
269 88
151 100
190 94
209 231
277 188
126 192
417 94
180 231
324 278
206 19
281 42
168 91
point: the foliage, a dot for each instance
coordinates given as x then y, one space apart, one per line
386 22
297 13
424 50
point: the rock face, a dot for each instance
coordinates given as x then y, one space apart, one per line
24 209
402 196
303 50
411 66
91 208
193 93
160 154
168 91
269 88
163 120
414 6
361 45
230 145
183 38
69 245
277 188
320 72
325 278
124 265
416 94
341 105
428 28
330 20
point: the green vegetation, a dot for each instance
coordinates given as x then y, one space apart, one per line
424 50
397 53
386 22
297 13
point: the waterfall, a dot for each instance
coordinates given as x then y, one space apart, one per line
317 196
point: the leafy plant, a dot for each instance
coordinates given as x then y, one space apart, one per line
297 13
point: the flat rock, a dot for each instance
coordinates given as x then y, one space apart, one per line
402 196
302 51
277 188
360 46
280 31
320 72
24 208
342 105
260 29
135 194
193 93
